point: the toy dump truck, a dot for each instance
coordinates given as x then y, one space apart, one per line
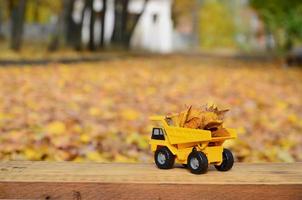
194 148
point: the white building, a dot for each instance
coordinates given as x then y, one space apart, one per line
153 32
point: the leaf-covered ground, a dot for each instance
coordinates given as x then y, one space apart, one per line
99 111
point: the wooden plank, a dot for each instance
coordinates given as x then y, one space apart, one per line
66 180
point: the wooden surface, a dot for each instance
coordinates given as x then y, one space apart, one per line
66 180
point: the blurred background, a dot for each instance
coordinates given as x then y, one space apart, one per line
79 78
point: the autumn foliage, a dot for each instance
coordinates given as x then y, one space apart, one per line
99 111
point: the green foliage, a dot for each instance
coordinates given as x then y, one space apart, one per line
217 26
40 11
37 11
282 18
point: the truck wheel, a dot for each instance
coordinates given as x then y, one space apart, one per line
227 162
164 159
197 162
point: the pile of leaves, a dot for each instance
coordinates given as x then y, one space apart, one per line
99 111
206 118
203 118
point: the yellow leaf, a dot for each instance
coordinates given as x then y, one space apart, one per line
281 105
150 90
56 128
94 111
285 156
139 140
130 114
78 159
293 118
31 154
85 138
241 130
94 156
123 159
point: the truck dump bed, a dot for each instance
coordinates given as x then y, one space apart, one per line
179 135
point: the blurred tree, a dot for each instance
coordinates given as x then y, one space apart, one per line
73 29
91 44
120 16
36 10
17 13
103 18
57 20
70 34
283 19
1 7
33 10
132 22
125 23
217 27
41 11
62 16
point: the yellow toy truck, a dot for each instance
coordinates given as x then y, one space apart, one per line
194 148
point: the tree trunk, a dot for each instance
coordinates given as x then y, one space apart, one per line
70 25
125 23
78 31
81 25
1 20
134 23
36 11
17 14
288 46
73 30
120 22
91 45
60 31
195 22
103 16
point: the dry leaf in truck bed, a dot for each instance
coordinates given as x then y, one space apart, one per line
202 118
193 123
220 132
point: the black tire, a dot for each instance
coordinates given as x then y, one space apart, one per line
197 162
163 158
228 161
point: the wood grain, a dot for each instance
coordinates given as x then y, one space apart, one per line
66 180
